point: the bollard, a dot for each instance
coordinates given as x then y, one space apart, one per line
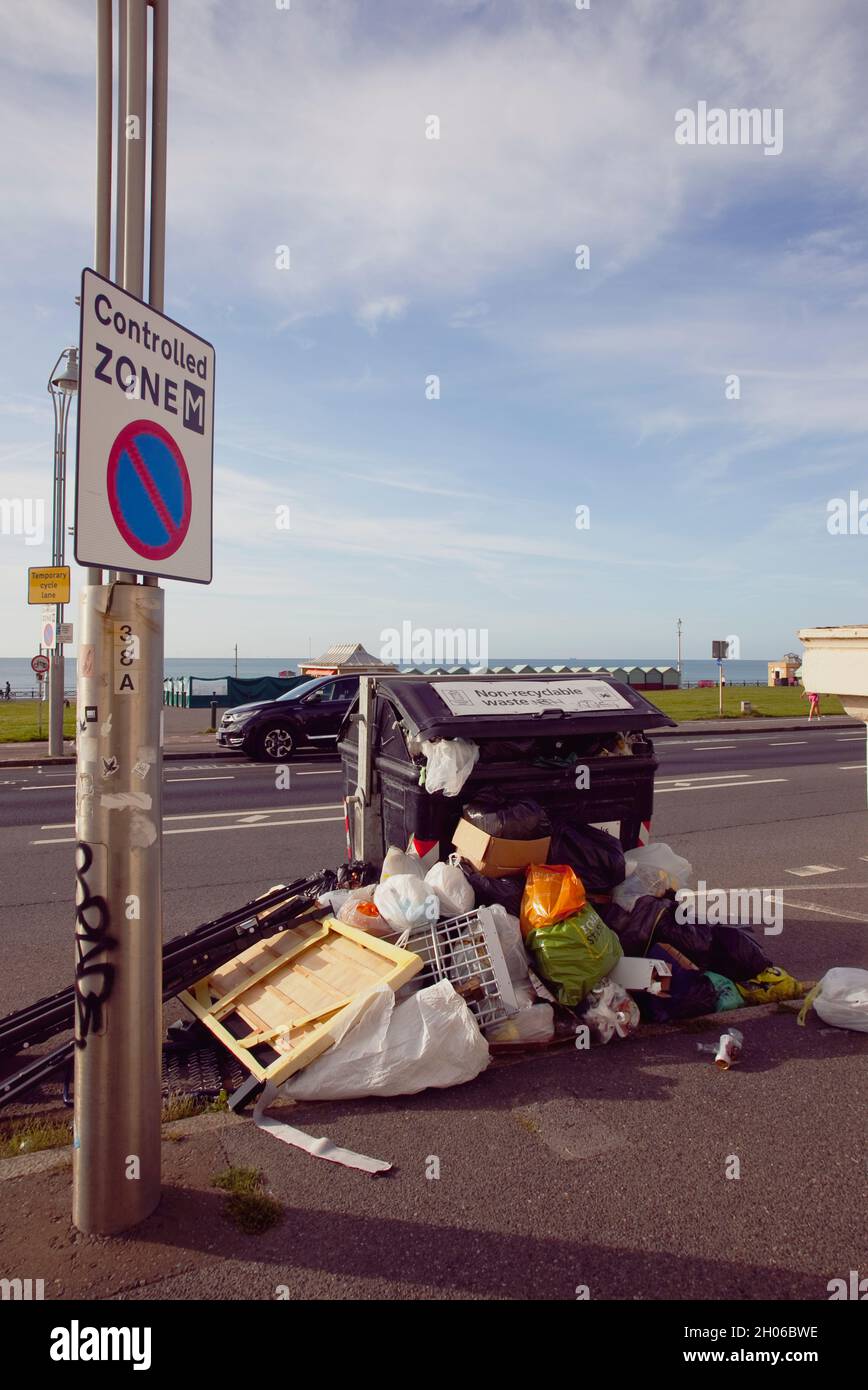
213 716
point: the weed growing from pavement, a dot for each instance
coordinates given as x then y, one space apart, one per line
247 1206
28 1136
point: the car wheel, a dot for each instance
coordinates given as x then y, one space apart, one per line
275 745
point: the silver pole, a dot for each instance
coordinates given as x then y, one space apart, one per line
116 1172
118 965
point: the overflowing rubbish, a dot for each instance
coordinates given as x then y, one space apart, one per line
276 1005
405 901
387 1047
466 952
575 954
454 894
551 893
771 984
610 1012
449 763
506 902
840 998
595 855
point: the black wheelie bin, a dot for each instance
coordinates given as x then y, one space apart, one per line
575 744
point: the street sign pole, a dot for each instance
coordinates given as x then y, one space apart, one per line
118 932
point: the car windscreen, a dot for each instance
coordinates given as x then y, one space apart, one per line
298 691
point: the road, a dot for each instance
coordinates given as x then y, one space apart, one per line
754 810
606 1168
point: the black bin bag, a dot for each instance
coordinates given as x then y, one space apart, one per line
594 855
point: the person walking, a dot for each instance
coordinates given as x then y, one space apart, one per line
814 702
7 693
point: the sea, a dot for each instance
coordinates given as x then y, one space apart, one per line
16 669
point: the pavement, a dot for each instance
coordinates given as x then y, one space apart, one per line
605 1168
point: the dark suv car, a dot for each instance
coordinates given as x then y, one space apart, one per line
309 716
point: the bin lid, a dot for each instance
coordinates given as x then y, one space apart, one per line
519 706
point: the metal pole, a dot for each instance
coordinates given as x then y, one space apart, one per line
118 937
116 1174
679 650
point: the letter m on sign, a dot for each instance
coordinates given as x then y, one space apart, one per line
194 407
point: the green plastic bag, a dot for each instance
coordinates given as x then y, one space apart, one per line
728 996
575 954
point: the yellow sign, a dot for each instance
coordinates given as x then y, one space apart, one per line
48 586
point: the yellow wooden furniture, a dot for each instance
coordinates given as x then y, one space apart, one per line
274 1005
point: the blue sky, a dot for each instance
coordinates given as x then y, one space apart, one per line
455 257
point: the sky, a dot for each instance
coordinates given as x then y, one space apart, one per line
607 387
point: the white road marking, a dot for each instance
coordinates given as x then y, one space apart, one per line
213 815
700 777
808 870
827 911
786 742
852 767
850 738
209 829
717 786
714 745
324 772
224 777
43 786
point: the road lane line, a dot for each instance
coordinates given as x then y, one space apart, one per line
786 742
827 911
849 738
809 870
700 777
715 746
212 815
209 829
44 786
852 767
720 786
224 777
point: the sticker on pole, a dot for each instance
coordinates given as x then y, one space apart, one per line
143 496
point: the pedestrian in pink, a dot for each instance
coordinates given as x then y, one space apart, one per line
814 699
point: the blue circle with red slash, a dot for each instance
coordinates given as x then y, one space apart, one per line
149 490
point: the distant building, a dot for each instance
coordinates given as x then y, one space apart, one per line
345 659
786 671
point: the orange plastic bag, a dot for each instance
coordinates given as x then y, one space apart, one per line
551 893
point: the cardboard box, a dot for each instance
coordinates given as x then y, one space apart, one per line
498 858
636 972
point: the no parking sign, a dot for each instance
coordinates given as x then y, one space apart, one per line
144 489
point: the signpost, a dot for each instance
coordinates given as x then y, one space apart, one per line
720 651
48 585
143 495
142 507
40 664
49 634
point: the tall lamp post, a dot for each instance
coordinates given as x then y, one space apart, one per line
62 386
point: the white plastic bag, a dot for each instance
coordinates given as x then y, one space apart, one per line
841 998
353 914
399 862
652 869
533 1024
450 763
454 893
390 1049
406 901
511 943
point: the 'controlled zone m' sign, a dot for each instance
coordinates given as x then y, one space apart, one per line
143 487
